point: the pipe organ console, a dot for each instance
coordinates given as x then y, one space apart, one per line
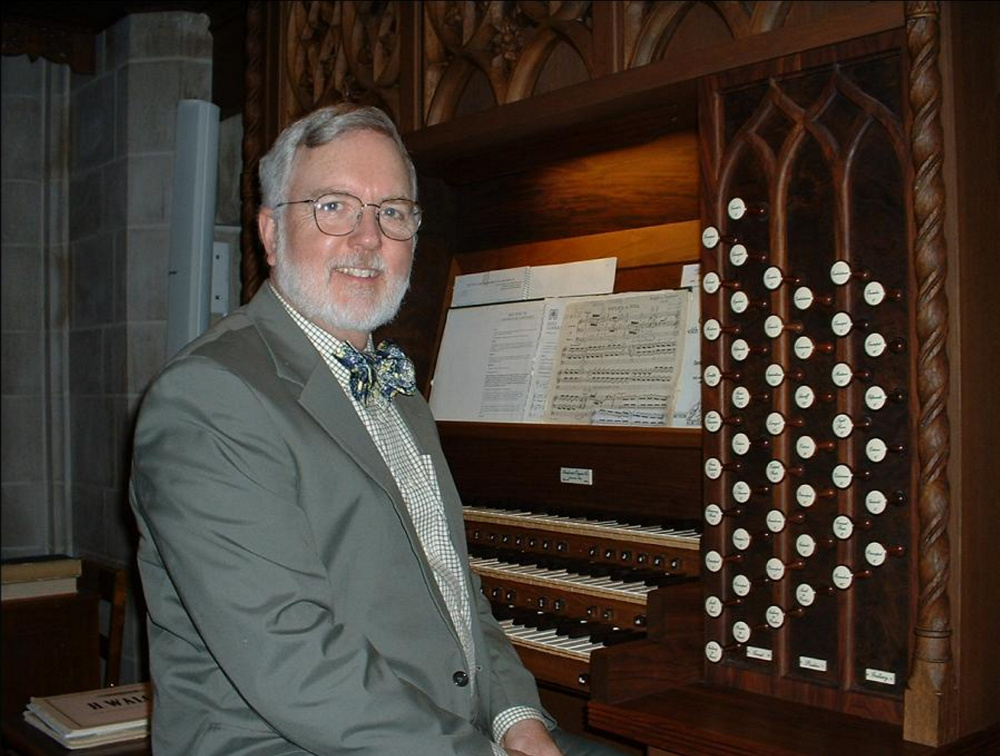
798 575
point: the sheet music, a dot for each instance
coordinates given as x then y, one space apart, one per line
618 354
687 404
535 282
545 353
484 364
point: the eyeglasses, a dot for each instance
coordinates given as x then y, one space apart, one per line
339 214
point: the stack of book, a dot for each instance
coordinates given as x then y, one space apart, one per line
48 575
93 717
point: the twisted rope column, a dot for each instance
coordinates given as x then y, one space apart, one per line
929 703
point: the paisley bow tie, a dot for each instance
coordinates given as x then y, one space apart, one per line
388 370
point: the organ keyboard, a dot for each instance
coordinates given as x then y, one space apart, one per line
579 593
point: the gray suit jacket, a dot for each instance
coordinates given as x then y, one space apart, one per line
291 609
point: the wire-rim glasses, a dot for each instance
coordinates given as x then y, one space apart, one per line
339 214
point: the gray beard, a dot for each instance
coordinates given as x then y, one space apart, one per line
312 298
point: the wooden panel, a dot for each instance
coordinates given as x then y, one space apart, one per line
624 477
50 646
822 154
700 720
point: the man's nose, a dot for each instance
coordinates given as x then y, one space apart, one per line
368 227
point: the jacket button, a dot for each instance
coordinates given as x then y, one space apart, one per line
460 678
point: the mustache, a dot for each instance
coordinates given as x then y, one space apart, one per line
369 261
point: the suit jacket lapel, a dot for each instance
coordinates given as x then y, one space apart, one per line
298 362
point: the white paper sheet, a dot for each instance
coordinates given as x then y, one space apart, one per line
485 362
535 282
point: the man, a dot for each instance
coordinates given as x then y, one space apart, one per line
301 543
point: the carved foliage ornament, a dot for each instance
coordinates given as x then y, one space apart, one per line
345 51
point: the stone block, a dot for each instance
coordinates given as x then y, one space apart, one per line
169 34
92 125
20 207
21 136
22 438
93 280
21 289
148 264
22 370
150 188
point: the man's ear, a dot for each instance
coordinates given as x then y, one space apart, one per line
267 226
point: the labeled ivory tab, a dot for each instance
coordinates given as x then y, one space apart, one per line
805 447
713 606
874 293
773 326
803 298
805 594
713 421
775 471
739 302
880 676
875 344
736 208
712 329
761 654
713 514
773 277
808 662
775 616
775 423
738 254
741 631
876 502
876 449
740 350
841 324
875 398
713 652
741 585
805 495
842 425
710 237
842 476
711 282
712 376
842 576
805 545
841 374
804 397
741 443
775 520
774 375
840 273
580 476
875 554
713 561
741 397
741 539
843 528
803 347
775 568
713 468
741 491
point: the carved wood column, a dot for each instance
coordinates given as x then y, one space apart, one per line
931 714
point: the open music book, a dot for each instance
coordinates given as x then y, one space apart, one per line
615 359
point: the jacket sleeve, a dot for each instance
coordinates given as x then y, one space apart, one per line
214 491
